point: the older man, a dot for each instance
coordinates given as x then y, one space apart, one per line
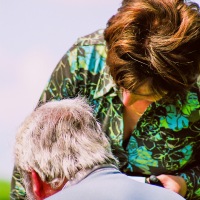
61 146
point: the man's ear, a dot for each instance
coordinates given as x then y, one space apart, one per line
37 185
42 189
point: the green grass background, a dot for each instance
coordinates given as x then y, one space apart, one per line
4 190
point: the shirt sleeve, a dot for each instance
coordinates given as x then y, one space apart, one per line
191 174
192 178
63 81
62 84
77 73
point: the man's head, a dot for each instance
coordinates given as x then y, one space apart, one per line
155 42
58 140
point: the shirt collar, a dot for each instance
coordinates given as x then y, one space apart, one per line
82 175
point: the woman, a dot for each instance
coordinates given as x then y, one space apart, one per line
142 82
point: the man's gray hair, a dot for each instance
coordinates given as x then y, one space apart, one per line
59 139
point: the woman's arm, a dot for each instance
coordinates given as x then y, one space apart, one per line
76 74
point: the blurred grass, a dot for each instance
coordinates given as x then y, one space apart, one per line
4 190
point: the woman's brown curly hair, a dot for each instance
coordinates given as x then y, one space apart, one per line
155 42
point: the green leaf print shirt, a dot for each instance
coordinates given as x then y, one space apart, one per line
166 140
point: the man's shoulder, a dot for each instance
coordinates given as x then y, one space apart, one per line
113 185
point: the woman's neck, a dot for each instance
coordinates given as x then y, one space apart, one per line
130 118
